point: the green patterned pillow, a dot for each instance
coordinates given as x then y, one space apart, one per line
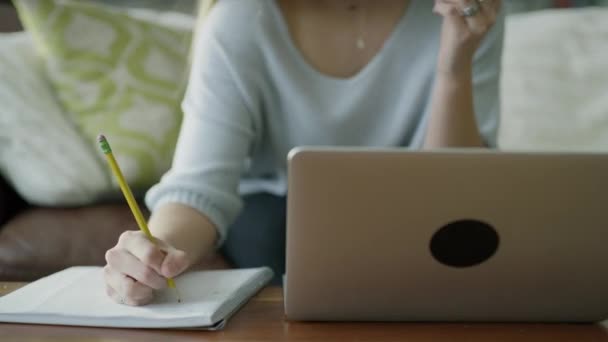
118 71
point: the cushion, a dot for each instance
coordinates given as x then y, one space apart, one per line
117 71
554 81
42 155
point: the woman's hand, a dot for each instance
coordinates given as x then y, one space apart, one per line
136 267
465 23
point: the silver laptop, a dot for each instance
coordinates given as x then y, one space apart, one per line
468 235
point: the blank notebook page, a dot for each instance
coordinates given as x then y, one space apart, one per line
77 296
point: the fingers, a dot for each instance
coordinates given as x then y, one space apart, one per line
123 262
142 248
485 18
476 21
162 258
175 262
136 266
125 290
451 12
445 9
482 17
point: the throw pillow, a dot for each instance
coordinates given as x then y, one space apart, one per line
42 154
554 81
117 71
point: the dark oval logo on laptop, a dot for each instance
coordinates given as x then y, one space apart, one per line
464 243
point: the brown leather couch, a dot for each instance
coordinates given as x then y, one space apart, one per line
38 241
35 241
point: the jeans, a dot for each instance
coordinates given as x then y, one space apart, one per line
257 237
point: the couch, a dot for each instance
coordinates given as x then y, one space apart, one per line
38 240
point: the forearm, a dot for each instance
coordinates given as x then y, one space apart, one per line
452 120
184 228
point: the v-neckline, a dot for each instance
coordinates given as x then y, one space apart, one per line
376 59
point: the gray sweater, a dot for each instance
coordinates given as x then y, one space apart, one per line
252 97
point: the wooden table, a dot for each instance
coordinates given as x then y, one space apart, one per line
262 320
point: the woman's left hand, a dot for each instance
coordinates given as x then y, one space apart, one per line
465 23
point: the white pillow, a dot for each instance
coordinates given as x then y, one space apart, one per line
555 81
41 153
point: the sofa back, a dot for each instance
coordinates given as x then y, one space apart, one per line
9 22
10 202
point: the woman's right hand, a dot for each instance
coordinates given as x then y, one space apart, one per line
136 267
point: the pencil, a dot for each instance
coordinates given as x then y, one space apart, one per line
126 191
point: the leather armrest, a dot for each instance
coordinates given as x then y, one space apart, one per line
10 202
9 21
3 203
41 241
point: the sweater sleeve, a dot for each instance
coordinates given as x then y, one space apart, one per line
219 128
486 82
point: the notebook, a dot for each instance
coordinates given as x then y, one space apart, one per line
76 296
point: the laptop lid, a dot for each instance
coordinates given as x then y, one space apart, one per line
471 235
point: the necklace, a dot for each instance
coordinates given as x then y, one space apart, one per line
360 41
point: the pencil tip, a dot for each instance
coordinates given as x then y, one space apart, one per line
101 138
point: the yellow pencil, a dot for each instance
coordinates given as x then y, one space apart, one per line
126 191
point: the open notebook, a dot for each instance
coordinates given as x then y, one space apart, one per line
76 296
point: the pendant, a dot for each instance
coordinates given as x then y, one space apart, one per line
360 43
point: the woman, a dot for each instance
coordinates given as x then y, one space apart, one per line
269 75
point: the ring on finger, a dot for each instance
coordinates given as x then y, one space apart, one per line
472 9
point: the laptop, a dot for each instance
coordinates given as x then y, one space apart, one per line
452 235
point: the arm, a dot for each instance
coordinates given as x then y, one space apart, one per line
197 199
184 228
464 99
452 120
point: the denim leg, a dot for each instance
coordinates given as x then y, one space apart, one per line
257 237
